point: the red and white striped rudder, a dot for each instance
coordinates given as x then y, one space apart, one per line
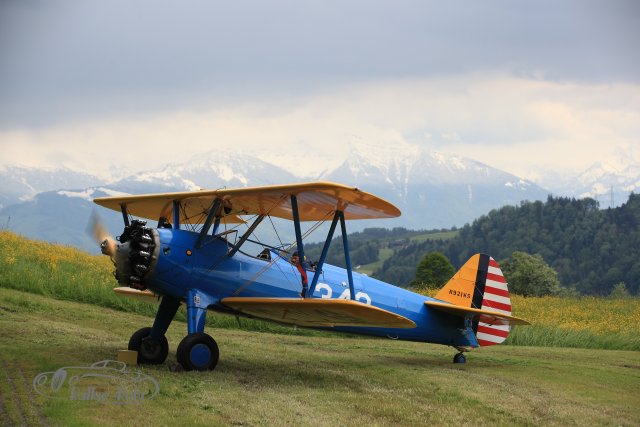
480 290
495 298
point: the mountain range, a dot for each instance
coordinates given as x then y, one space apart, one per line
608 184
433 190
19 183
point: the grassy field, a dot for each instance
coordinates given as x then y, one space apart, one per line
385 252
68 274
368 269
57 309
276 379
443 235
584 322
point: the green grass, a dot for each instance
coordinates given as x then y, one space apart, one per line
384 254
545 336
441 235
582 322
68 274
275 379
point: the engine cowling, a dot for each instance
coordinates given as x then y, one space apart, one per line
135 254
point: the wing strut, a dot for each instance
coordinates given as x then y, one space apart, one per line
213 211
245 236
216 225
176 214
339 215
347 257
299 244
125 215
296 224
325 250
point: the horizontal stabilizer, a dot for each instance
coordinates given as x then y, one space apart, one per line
146 296
488 316
318 312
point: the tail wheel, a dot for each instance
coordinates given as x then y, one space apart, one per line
150 351
198 352
459 358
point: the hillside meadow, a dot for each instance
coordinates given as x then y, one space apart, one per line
273 379
66 273
60 312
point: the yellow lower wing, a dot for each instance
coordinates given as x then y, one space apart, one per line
318 312
146 296
488 316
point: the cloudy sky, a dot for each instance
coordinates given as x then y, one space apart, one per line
525 86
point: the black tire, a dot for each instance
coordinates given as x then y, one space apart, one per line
198 352
150 351
459 358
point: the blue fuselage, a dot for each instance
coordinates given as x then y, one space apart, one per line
181 267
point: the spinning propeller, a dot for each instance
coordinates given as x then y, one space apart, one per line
102 235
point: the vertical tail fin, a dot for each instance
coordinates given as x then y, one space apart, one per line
480 284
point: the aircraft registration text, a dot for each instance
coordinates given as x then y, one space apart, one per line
465 295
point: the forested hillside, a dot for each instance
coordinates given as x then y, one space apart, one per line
591 249
373 245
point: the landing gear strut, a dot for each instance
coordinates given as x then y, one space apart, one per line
151 351
198 351
459 358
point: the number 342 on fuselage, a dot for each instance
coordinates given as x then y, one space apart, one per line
198 256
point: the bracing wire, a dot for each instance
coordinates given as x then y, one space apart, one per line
275 204
253 278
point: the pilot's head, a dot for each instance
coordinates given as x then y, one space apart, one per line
295 258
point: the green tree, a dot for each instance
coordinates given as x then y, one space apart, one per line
530 275
619 291
433 271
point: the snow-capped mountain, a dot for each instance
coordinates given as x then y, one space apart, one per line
71 203
601 181
61 217
211 170
433 190
600 178
21 183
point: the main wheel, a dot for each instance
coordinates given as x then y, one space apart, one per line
459 358
150 351
198 352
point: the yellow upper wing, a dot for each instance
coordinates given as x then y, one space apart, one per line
316 201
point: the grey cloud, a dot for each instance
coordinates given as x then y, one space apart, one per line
69 59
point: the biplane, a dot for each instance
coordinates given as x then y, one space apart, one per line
199 255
